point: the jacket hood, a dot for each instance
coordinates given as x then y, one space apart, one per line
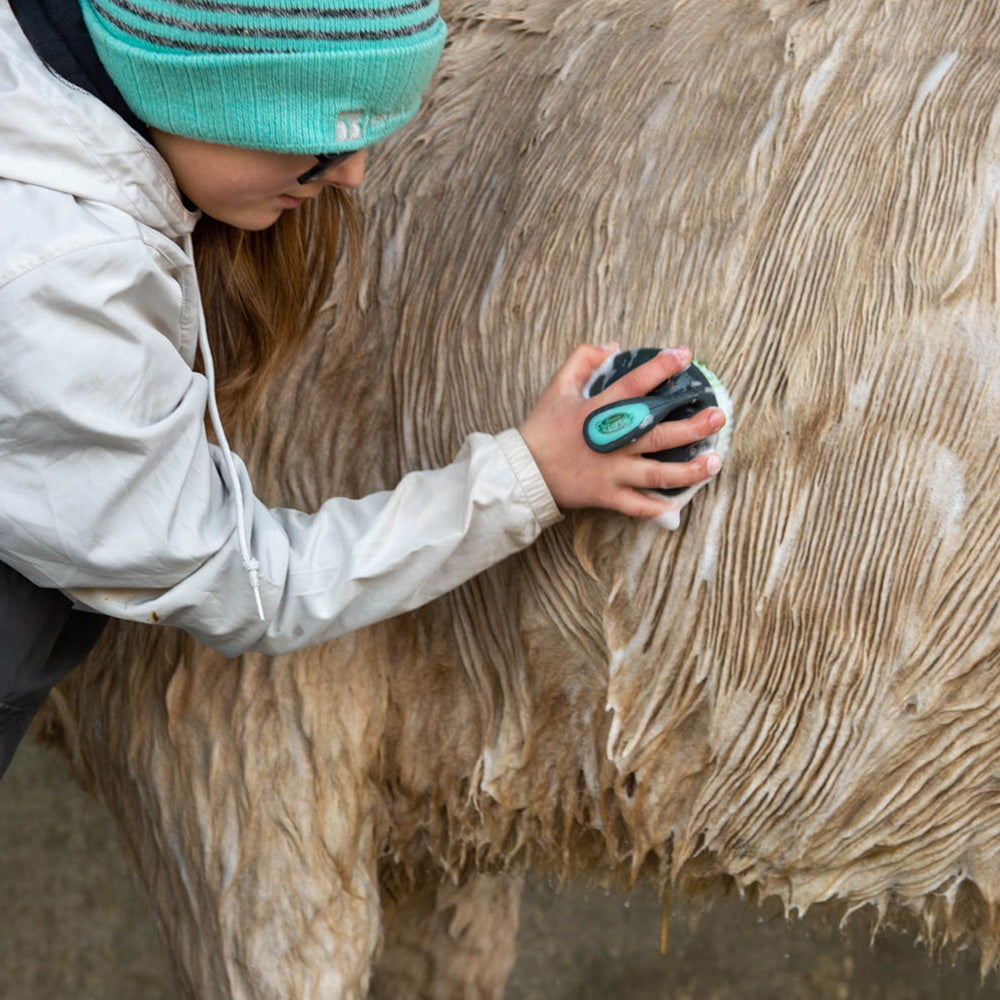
55 135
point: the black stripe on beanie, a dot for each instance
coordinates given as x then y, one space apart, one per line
265 10
290 34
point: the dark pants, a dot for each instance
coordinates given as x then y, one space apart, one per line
41 639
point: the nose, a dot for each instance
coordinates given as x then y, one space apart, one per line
349 173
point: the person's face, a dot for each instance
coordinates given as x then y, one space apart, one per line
248 188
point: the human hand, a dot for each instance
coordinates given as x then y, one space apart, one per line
580 477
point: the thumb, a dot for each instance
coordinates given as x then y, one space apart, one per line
580 365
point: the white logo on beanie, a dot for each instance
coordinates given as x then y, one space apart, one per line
349 125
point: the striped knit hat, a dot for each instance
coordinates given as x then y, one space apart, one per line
293 76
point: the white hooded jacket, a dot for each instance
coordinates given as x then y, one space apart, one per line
109 489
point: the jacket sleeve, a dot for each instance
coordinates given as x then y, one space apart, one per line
110 491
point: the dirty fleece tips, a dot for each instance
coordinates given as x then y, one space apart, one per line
618 424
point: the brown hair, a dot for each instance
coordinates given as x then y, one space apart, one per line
262 292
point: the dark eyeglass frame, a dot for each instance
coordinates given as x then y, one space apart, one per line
326 162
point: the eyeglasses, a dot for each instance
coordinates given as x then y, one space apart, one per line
326 162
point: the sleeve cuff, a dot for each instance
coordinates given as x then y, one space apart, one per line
523 464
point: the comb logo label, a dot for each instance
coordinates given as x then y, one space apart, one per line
615 423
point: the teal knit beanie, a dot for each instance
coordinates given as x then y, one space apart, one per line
293 76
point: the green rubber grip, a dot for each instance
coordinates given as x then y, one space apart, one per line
618 424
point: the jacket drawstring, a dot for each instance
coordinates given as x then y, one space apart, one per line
251 565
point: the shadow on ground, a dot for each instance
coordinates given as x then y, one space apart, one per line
77 925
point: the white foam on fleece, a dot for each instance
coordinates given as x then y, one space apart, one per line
393 253
619 657
710 548
389 270
491 286
859 394
782 551
575 54
932 80
633 570
821 77
764 147
946 487
670 518
764 139
488 762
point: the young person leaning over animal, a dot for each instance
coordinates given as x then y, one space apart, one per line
138 137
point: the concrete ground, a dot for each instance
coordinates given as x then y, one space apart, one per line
77 925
